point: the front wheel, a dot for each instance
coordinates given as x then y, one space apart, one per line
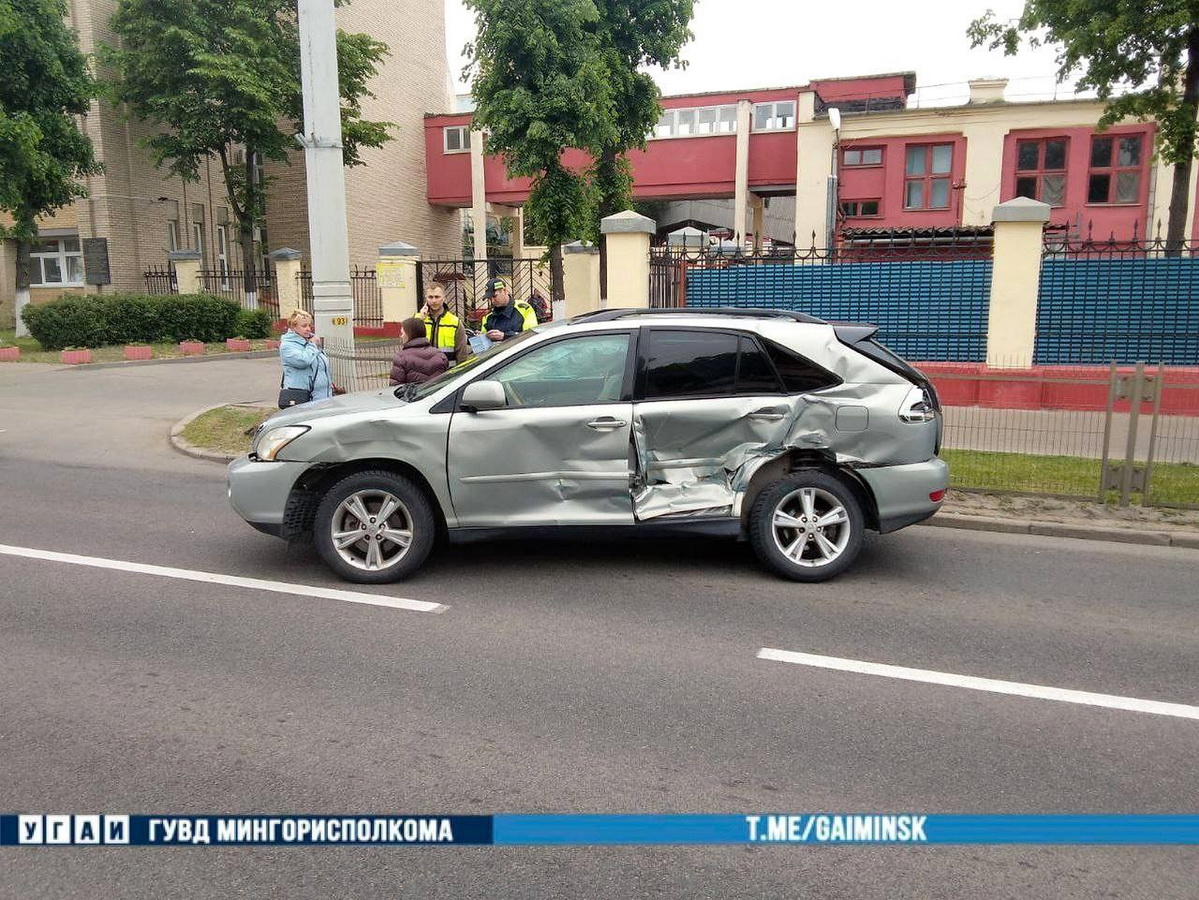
807 526
374 527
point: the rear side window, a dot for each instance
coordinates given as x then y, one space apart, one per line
799 375
705 364
690 364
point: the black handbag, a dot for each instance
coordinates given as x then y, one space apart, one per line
295 396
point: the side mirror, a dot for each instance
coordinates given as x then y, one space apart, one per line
482 395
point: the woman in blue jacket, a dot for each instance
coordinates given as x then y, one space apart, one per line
305 365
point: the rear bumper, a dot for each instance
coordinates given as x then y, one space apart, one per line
258 491
902 492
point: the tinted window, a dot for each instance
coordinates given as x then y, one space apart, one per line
755 375
689 364
798 374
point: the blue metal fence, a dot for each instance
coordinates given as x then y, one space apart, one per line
1095 310
933 310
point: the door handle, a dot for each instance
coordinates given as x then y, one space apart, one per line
606 422
766 415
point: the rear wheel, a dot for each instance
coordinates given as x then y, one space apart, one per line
374 527
807 526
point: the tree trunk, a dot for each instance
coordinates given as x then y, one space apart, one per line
557 276
22 295
1180 190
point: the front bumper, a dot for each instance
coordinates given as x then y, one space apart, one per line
902 492
258 490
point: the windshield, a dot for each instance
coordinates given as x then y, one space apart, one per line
425 388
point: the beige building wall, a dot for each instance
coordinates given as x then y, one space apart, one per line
386 196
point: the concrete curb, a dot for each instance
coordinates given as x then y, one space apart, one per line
189 449
244 354
1189 540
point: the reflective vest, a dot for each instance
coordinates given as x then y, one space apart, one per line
527 314
447 331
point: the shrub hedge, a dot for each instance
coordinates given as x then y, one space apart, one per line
96 320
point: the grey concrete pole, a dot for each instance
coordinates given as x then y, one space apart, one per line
332 302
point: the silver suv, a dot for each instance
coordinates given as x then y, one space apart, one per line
791 432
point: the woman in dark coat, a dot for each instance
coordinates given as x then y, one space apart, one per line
417 360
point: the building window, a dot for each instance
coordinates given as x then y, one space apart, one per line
774 116
457 138
56 262
1115 175
222 254
862 156
860 208
198 239
926 176
172 236
696 120
1041 170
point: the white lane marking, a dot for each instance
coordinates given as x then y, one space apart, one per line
1016 688
258 584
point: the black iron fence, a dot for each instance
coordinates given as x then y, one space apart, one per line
161 280
234 283
364 288
465 282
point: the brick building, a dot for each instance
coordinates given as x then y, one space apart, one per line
143 213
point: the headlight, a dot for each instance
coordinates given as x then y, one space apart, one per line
267 444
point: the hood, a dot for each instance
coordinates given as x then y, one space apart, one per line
364 401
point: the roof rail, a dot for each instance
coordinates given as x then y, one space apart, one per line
608 315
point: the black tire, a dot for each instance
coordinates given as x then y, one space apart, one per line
379 555
824 542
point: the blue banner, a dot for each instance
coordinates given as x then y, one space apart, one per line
102 829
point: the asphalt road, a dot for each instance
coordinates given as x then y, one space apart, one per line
562 678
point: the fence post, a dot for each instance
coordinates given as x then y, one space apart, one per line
580 267
287 283
187 271
627 236
1015 282
399 289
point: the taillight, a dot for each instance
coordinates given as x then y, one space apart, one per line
917 406
937 496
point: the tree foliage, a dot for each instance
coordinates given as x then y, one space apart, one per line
46 84
1141 58
549 75
215 75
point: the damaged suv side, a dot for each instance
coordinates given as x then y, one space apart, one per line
791 432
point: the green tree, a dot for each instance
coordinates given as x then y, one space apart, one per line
43 152
1151 49
218 75
540 87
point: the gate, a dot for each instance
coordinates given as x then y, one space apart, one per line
465 283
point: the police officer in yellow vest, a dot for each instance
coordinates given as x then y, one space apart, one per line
507 317
443 329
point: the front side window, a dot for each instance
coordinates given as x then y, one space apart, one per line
1041 170
926 176
582 370
56 262
1115 173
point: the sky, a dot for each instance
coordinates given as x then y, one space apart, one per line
742 44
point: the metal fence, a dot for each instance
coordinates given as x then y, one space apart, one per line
927 307
1117 299
465 283
1121 435
233 283
364 288
361 365
161 280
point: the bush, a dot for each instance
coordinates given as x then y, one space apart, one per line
96 320
254 323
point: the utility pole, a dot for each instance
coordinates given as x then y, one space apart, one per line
332 302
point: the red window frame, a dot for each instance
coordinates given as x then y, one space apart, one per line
878 208
928 176
1113 170
1039 172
